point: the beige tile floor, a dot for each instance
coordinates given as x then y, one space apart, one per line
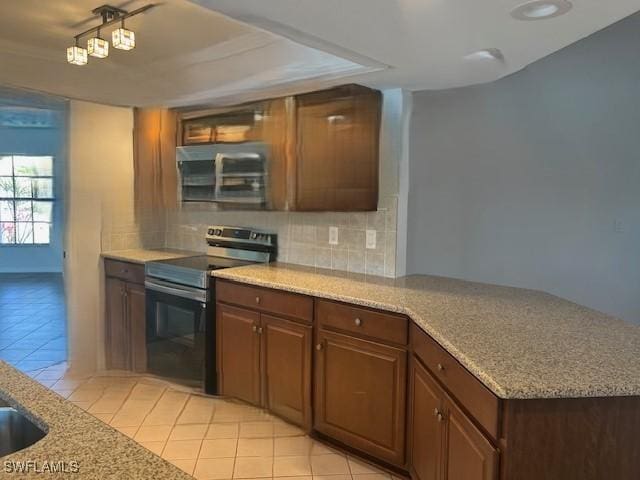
207 437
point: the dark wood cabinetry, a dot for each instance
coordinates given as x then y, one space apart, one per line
444 442
425 427
338 136
125 340
265 359
286 357
323 146
116 335
360 394
238 346
455 427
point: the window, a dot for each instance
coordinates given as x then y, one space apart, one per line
26 199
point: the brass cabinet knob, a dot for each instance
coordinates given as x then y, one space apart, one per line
440 417
254 328
259 330
257 299
358 322
319 346
440 367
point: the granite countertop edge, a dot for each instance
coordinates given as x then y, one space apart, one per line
500 388
141 256
74 435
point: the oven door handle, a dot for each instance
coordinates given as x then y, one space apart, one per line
177 290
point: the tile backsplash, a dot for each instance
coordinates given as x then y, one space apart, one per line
303 238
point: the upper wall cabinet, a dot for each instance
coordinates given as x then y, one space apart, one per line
337 149
310 152
154 158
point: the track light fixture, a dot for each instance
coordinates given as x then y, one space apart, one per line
97 46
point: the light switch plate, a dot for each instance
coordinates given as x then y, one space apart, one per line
333 235
371 239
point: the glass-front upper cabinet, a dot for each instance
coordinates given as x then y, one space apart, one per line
237 126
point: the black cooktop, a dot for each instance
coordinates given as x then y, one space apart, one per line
205 263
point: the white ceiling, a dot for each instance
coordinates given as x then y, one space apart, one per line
184 54
222 51
424 41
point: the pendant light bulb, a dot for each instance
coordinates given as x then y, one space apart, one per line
98 47
123 39
76 55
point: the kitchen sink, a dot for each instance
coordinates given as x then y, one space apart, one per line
16 430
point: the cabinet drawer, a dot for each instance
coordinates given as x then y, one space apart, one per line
265 299
129 272
368 323
475 398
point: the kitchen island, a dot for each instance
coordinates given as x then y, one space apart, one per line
78 444
443 378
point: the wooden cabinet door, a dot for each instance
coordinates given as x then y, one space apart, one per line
286 355
135 306
360 392
468 454
337 142
425 424
238 345
117 331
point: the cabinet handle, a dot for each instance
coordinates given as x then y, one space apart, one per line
437 414
259 330
254 328
257 299
358 322
440 367
319 346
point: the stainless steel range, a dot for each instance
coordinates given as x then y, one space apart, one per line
180 299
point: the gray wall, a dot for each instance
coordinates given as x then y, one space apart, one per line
534 180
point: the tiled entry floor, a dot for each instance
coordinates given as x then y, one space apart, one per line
209 438
32 320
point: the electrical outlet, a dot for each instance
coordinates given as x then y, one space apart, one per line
333 235
618 225
371 239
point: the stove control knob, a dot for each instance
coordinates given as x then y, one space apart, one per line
211 231
218 232
254 235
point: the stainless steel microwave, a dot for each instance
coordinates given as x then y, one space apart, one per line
225 173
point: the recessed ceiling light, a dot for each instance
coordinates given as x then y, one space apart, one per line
541 9
485 54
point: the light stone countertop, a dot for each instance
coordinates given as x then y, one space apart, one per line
74 435
142 256
519 343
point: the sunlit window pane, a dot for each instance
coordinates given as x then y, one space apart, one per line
24 232
42 188
23 188
23 211
23 218
42 211
33 166
5 166
6 211
7 232
41 232
6 187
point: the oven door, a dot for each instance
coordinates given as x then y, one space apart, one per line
177 331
